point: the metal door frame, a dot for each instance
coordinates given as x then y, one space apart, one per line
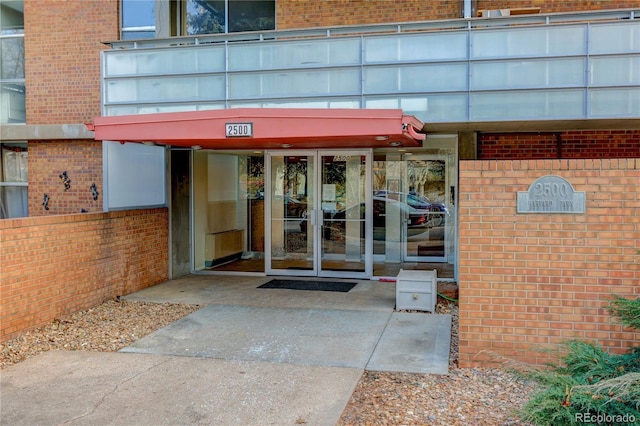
316 217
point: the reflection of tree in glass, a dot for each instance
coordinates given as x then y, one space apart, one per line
12 58
205 17
208 16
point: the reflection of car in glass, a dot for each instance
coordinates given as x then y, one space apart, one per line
420 202
293 206
415 217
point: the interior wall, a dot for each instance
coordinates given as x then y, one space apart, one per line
180 213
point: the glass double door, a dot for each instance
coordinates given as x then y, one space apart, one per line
318 207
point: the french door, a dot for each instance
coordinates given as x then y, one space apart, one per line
318 213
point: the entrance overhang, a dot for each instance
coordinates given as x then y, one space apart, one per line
270 128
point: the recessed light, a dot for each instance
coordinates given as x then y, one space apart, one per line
382 138
286 145
395 143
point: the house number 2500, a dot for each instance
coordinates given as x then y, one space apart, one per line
239 130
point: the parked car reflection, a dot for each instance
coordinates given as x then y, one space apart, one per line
382 207
437 210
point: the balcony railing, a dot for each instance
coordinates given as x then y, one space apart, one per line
532 67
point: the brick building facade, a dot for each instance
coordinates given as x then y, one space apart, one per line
525 281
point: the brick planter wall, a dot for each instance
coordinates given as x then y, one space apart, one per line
532 281
56 265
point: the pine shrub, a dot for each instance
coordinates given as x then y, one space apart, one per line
590 385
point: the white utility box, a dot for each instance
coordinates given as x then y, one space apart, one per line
416 290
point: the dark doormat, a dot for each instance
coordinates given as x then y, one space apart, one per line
310 285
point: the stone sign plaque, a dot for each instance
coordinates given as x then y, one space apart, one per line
551 194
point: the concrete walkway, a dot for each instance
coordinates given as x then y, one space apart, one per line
249 357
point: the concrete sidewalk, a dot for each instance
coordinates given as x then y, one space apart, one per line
249 356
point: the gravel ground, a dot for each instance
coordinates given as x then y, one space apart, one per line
462 397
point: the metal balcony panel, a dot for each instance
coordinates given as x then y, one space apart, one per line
416 47
614 103
299 54
528 74
529 42
165 61
527 105
434 108
416 78
615 71
164 89
302 83
611 38
490 70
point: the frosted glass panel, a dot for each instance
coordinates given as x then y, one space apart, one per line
429 78
527 74
294 55
615 38
527 105
166 61
422 47
615 103
546 41
135 175
613 71
295 83
300 103
165 89
429 109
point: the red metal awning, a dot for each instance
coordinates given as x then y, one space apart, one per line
266 128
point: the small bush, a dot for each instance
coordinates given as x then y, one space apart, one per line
590 381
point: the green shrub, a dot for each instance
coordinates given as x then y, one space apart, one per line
590 385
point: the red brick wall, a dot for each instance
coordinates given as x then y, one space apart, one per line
530 281
82 160
57 265
62 57
553 6
306 14
574 144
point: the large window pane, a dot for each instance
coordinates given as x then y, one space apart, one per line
252 15
12 61
527 74
13 180
206 17
11 17
138 19
12 103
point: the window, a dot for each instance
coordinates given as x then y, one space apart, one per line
138 19
13 180
149 18
12 87
229 16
